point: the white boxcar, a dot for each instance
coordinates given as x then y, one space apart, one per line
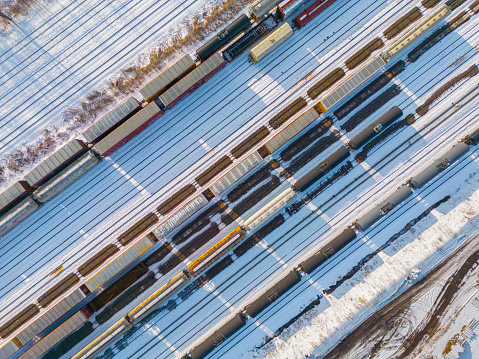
133 126
112 268
292 130
265 213
50 316
236 173
261 7
66 177
56 162
350 84
112 119
71 324
13 194
17 214
272 42
7 349
192 81
180 216
160 83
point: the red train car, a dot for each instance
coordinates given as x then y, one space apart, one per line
307 15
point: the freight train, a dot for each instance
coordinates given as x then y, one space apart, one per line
130 118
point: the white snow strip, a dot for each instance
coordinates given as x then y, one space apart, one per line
374 174
258 87
143 191
205 145
156 332
210 287
268 249
316 210
344 139
264 328
407 91
313 54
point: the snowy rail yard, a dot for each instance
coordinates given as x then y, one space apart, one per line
211 125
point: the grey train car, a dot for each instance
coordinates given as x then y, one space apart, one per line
223 37
328 251
273 293
320 170
376 127
383 208
438 165
218 337
473 138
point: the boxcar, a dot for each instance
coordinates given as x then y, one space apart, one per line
192 81
271 43
153 89
111 121
311 12
288 7
58 289
14 194
261 7
128 130
17 214
18 320
223 37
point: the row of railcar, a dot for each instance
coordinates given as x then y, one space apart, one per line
179 216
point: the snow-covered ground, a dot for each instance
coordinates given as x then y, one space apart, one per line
93 211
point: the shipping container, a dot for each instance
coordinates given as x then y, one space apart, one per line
55 163
111 121
153 89
50 316
236 173
138 228
17 214
14 194
250 38
218 337
66 177
48 342
320 170
115 266
159 297
104 340
383 208
261 7
265 213
7 349
180 216
271 43
292 130
311 12
223 37
273 293
327 251
58 289
350 84
216 252
438 165
128 130
18 319
375 128
192 81
416 32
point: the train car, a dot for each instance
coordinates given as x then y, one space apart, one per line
292 130
17 214
111 269
112 120
473 138
313 262
265 213
97 259
438 165
180 216
383 208
273 293
271 43
55 163
224 37
261 7
128 129
153 89
287 7
138 228
311 12
320 170
58 289
374 128
66 177
344 89
236 173
7 328
192 81
415 33
217 251
13 195
104 340
7 349
218 337
250 37
57 335
159 297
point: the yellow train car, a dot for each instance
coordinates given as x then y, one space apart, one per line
271 43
